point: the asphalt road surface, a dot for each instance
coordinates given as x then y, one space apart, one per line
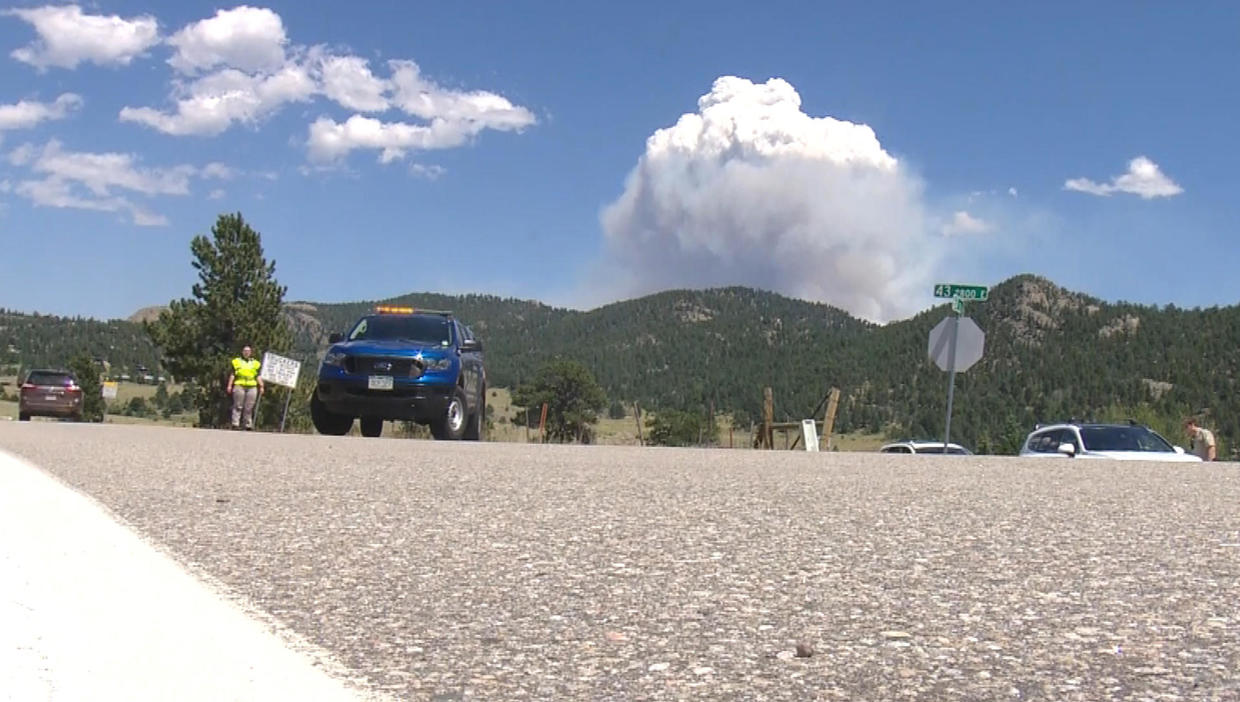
502 571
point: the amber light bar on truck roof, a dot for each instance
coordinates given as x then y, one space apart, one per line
394 309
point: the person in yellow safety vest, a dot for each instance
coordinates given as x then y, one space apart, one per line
245 387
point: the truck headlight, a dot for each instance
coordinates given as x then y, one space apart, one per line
438 364
335 358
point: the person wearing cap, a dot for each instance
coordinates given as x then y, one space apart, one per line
245 386
1201 440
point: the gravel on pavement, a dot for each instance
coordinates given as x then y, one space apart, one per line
440 570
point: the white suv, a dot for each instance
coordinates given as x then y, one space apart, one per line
925 447
1123 442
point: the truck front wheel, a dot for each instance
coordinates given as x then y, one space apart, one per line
451 426
327 422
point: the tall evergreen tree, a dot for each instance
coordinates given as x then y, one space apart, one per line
92 388
236 301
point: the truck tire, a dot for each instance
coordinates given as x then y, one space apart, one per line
477 421
326 422
451 426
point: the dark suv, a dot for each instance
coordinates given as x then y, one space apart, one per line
50 393
403 364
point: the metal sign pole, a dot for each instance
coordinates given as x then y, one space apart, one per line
284 416
951 382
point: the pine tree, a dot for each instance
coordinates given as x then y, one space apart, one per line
87 374
573 399
236 302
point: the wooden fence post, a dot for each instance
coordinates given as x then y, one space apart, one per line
828 422
637 414
768 418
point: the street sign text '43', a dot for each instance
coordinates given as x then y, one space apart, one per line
962 292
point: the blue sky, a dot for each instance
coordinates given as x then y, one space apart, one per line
579 153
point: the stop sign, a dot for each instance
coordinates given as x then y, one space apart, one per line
969 342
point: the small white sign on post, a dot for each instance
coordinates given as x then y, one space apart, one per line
280 370
809 433
109 390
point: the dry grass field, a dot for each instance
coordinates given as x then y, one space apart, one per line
613 432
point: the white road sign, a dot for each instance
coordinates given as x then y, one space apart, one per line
970 341
109 390
279 370
810 433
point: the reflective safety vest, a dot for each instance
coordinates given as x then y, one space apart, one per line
245 372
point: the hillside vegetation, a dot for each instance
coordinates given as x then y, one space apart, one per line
1051 354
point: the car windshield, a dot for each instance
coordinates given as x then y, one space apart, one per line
422 329
48 378
1123 439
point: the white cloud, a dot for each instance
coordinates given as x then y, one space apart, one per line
102 172
216 194
22 155
453 117
431 172
349 81
478 109
963 223
750 190
27 113
1144 178
213 103
242 74
239 67
99 181
251 39
68 37
58 192
1012 192
143 218
218 170
330 140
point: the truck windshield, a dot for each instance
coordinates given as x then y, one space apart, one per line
422 329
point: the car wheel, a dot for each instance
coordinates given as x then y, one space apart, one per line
477 420
327 422
23 417
372 426
451 426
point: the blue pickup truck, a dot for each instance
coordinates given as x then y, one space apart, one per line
403 364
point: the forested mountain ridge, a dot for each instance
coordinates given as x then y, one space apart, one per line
1051 354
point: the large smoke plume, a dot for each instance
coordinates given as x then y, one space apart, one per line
752 191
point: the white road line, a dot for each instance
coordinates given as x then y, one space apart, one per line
90 611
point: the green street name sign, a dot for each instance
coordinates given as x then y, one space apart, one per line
962 292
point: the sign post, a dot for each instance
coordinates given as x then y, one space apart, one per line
280 371
956 343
